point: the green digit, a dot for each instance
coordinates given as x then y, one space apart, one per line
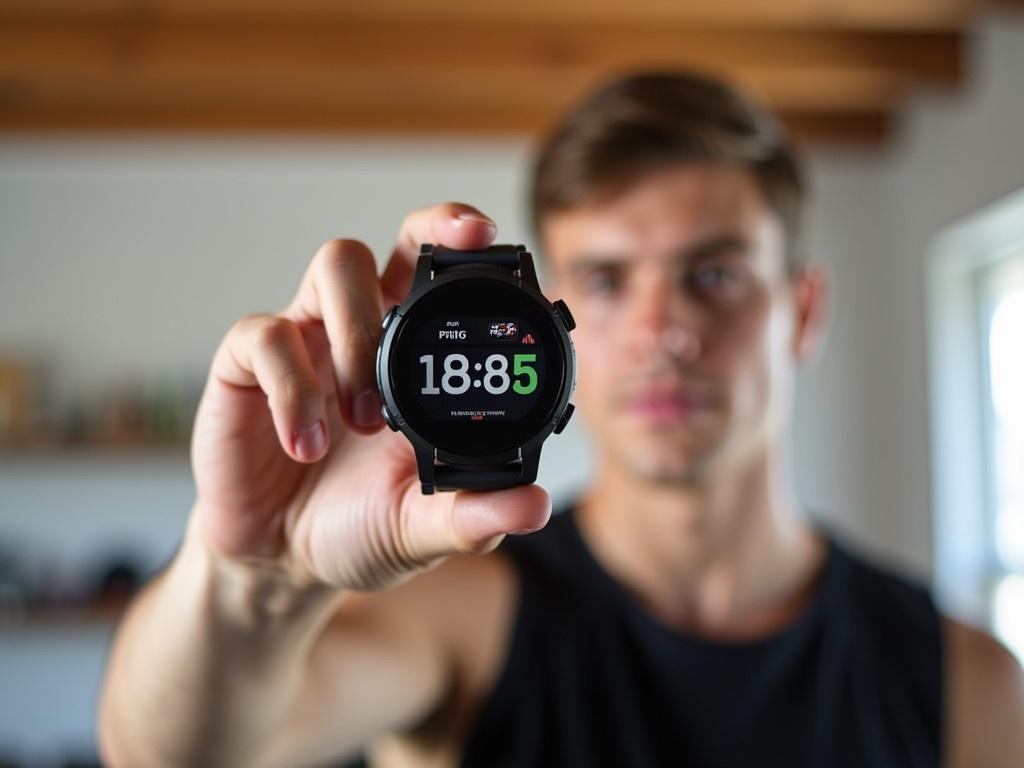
520 368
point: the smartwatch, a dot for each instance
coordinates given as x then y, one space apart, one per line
476 368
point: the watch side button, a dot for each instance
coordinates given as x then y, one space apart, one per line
563 312
569 408
386 414
389 316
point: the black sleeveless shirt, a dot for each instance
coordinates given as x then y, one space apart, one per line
593 679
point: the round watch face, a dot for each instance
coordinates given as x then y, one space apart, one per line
477 366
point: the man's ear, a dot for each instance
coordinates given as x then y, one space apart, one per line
811 294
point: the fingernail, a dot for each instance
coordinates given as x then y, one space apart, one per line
311 441
474 216
366 408
523 531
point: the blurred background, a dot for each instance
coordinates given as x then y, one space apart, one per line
167 166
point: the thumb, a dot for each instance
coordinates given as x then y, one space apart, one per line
475 521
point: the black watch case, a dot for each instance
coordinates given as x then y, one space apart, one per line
476 290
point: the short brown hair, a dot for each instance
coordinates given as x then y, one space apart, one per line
645 121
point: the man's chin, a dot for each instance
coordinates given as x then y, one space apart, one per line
666 462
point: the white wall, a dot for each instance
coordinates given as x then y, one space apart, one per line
133 253
840 471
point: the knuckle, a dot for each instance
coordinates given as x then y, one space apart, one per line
413 222
463 546
341 254
244 324
360 336
295 386
272 332
412 216
480 547
388 541
460 544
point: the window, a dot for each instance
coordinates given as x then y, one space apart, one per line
1001 301
975 292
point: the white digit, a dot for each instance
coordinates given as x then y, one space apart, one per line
451 372
429 388
501 372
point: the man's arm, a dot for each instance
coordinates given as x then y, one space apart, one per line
219 663
439 637
984 724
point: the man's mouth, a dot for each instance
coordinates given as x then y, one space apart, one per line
662 406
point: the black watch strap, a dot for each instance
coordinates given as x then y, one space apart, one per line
449 478
505 256
437 475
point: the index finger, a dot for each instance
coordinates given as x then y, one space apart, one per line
453 225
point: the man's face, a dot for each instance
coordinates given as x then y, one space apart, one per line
685 320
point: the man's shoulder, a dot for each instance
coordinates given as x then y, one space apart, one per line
985 698
980 652
982 682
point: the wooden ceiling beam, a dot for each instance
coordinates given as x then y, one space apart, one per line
437 90
925 56
849 14
459 77
864 127
791 70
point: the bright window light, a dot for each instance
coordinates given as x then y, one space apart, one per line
1006 360
1006 378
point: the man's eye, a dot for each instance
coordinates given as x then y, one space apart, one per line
600 283
715 276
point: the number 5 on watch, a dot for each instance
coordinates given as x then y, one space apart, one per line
520 367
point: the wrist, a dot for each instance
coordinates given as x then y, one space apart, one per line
250 593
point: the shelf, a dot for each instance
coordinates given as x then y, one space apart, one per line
62 619
178 448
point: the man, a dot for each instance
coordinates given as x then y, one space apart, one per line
682 612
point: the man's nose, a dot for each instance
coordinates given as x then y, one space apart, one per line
663 322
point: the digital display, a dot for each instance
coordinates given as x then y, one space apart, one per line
478 368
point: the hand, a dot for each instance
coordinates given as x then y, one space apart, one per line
293 466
